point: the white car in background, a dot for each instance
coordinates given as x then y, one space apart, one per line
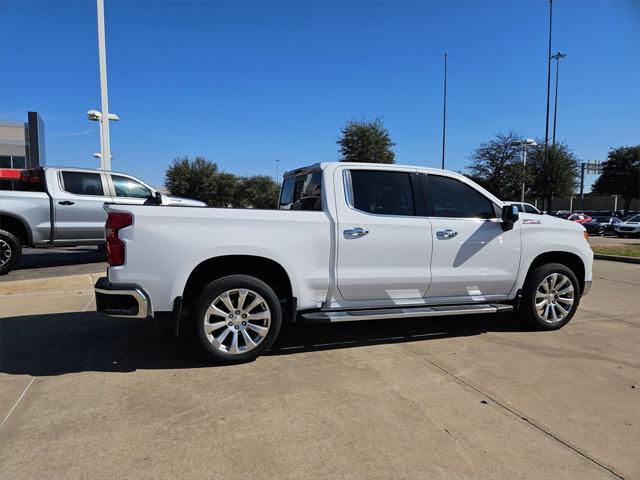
630 227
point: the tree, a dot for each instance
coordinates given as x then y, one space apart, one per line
258 191
192 179
366 141
201 179
555 177
620 174
497 166
224 188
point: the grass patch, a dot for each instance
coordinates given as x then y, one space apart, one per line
622 250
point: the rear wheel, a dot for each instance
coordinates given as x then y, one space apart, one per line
550 297
601 231
237 318
10 251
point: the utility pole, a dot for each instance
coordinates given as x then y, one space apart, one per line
105 158
582 168
546 128
444 111
557 58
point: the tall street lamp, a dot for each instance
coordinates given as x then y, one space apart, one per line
557 58
96 116
546 127
529 142
105 144
444 110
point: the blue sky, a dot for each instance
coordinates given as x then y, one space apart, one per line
244 83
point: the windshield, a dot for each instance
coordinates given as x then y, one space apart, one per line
635 218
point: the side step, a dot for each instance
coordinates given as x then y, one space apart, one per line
388 313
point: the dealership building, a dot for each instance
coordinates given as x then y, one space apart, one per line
22 144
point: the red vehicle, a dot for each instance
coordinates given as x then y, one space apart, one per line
579 218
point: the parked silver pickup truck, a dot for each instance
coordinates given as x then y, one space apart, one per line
64 206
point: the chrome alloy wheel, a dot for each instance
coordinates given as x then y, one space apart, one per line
5 253
554 298
237 321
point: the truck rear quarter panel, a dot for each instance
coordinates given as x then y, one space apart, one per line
165 244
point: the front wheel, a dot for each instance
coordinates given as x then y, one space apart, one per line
10 251
237 318
550 297
601 232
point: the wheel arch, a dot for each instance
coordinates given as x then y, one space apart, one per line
17 226
263 268
568 259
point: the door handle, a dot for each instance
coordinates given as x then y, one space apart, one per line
66 202
446 234
356 232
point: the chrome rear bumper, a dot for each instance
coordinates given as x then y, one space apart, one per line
122 300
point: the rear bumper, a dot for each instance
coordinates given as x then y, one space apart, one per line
122 300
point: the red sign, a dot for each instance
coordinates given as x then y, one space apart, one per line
10 174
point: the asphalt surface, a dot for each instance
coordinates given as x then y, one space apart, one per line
56 262
87 396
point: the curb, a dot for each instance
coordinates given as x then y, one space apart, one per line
84 281
616 258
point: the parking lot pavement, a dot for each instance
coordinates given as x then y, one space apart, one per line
60 261
87 396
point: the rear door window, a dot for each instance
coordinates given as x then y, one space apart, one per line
382 192
82 183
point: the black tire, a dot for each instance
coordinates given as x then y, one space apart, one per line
10 251
230 283
528 311
601 231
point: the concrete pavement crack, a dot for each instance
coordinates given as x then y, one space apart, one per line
516 414
44 366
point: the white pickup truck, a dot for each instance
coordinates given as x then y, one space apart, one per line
349 242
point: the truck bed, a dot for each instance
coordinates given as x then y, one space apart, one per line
175 240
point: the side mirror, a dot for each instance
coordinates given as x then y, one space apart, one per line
510 216
154 199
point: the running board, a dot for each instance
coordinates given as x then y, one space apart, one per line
412 312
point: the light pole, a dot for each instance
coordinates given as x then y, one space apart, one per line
529 142
557 58
444 110
546 127
105 144
277 171
96 116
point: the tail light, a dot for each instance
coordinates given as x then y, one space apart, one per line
115 246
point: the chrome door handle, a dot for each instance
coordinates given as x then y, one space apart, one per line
446 234
356 232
